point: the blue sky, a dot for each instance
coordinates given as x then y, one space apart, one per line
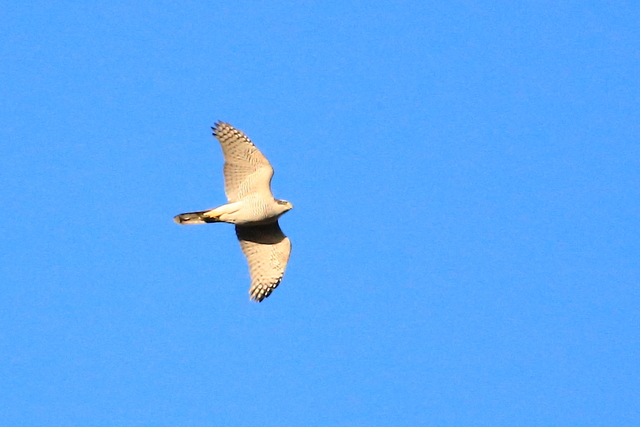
465 177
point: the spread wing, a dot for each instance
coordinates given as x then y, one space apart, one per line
246 170
267 250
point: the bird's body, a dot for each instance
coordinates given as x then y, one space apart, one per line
252 211
252 208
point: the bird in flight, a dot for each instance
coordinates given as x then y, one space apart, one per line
251 208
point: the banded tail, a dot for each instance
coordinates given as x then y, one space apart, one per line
194 218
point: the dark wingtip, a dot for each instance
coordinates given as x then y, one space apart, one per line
257 296
216 125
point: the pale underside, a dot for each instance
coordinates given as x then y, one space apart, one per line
267 250
247 172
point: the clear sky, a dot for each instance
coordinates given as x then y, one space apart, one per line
466 234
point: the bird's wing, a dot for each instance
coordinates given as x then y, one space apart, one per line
246 170
267 250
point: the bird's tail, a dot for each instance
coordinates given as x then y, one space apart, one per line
195 218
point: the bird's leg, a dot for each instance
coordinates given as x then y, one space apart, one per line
224 213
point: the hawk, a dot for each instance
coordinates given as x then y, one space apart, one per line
251 208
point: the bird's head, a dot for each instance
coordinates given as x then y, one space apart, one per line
284 206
